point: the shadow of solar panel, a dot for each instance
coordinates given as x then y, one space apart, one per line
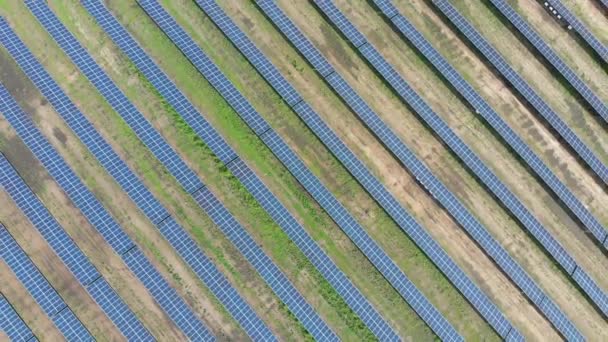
580 28
63 246
545 50
12 325
187 178
399 149
240 170
40 289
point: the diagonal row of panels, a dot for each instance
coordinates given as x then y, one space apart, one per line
240 170
484 109
273 276
166 296
437 189
373 186
298 169
469 158
40 289
12 324
522 87
545 50
82 269
580 28
183 243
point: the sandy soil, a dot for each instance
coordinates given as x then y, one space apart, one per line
397 180
592 14
566 46
58 276
397 59
348 65
25 305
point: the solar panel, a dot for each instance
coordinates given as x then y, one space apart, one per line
501 127
357 302
399 149
386 200
102 150
40 289
279 283
118 312
523 88
580 28
346 222
12 325
545 50
469 158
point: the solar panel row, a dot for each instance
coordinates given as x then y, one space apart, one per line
278 282
522 87
241 171
483 109
118 312
545 50
40 289
166 296
579 27
12 325
386 200
399 149
168 299
319 192
550 244
507 198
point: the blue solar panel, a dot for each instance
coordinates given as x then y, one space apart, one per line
12 325
523 88
500 126
545 50
407 157
106 298
180 240
241 171
87 203
346 222
40 289
254 253
579 27
367 180
462 151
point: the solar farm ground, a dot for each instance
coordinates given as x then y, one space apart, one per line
318 224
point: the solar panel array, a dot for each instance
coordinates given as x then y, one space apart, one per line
523 88
531 223
273 276
483 109
241 171
580 28
166 296
12 325
84 271
40 289
468 157
319 192
545 50
407 157
178 238
508 135
357 168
